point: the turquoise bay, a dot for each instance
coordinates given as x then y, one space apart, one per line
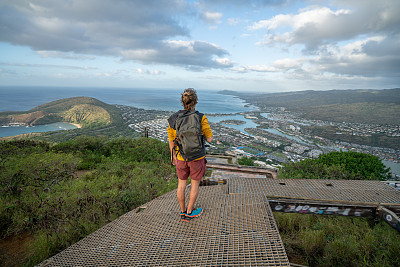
16 130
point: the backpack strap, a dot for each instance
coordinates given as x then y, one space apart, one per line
200 115
172 119
176 144
203 138
171 122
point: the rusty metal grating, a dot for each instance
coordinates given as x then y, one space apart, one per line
236 229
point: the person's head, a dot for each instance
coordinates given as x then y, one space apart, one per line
189 99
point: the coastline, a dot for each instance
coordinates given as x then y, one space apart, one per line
19 136
75 124
20 130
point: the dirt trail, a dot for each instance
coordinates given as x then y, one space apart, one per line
14 250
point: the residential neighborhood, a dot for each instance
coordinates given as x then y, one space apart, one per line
278 138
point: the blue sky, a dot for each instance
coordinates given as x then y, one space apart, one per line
243 45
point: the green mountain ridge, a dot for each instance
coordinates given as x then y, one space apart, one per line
85 111
311 98
367 113
357 106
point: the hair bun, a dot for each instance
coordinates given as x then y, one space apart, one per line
189 98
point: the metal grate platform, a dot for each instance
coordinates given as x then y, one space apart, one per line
237 227
335 190
234 230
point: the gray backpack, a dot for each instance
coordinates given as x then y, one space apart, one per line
189 137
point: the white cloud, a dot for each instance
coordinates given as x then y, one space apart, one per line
366 58
311 27
330 40
127 74
65 55
254 68
233 21
243 3
288 63
362 59
211 17
224 62
149 72
134 30
349 40
194 55
316 25
281 65
52 66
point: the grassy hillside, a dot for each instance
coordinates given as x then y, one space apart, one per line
67 103
82 110
53 195
86 113
96 118
368 113
310 98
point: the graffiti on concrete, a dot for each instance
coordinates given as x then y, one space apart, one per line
322 209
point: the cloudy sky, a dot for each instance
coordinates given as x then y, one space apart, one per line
247 45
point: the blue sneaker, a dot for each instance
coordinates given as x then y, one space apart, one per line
183 216
195 213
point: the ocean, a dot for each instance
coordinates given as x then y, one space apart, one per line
210 102
26 98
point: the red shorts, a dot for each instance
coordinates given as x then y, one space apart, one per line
195 168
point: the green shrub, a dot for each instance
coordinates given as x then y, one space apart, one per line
246 161
338 241
84 144
140 150
41 194
38 170
22 147
337 165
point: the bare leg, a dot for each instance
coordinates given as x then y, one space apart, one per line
181 194
194 192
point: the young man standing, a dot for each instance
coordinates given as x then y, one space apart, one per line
194 166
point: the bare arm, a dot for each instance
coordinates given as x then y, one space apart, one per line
173 155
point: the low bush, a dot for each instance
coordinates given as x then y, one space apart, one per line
41 193
316 240
246 161
337 165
